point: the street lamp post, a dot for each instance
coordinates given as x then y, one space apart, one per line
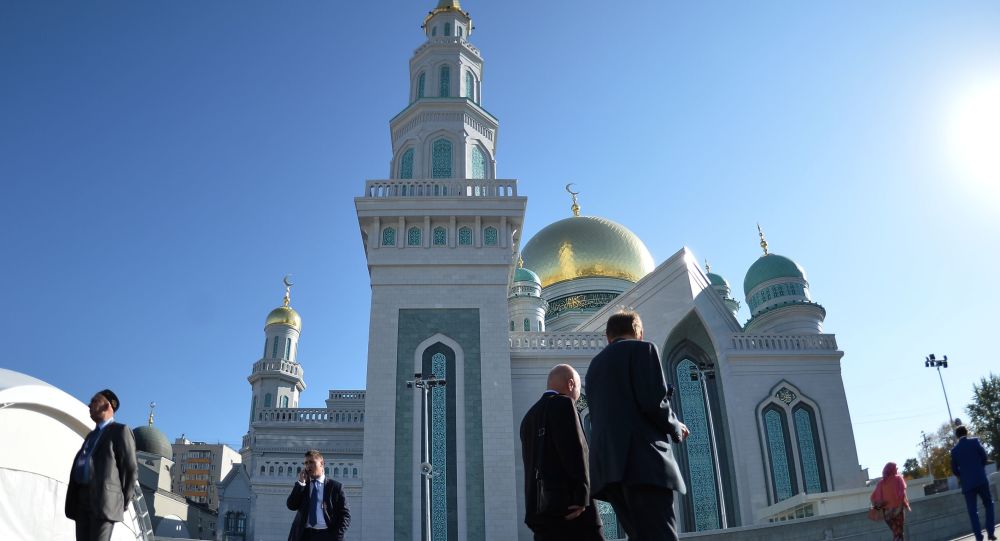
702 372
426 468
932 362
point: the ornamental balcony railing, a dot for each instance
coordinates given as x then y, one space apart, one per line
406 188
275 365
591 342
782 342
309 415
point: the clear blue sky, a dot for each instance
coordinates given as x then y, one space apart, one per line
164 164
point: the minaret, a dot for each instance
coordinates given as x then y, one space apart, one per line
440 237
525 303
444 132
276 378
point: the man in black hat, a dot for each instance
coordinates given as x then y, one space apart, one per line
104 473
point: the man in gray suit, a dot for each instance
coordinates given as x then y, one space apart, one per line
631 463
104 473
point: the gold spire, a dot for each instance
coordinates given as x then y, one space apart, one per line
763 242
575 207
288 289
520 262
708 268
152 406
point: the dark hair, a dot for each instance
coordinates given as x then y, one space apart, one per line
624 323
961 431
314 454
112 398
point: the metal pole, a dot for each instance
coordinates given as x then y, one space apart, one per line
426 460
715 449
951 419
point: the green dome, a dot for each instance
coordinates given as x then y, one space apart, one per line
524 275
769 267
151 440
717 280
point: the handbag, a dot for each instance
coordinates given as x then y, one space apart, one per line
551 499
876 514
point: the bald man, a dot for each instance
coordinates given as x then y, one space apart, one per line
556 476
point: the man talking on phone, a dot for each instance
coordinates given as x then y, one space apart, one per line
321 512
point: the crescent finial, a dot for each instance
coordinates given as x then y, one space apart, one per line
288 288
575 207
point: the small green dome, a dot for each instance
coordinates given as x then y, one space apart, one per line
769 267
717 280
524 275
151 440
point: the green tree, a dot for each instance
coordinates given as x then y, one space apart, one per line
935 451
912 469
984 413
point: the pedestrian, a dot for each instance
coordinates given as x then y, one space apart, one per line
321 512
632 466
889 499
104 472
555 456
968 463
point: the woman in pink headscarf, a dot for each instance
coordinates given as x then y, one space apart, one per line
889 497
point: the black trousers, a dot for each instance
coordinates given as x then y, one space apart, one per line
645 512
88 526
310 534
586 527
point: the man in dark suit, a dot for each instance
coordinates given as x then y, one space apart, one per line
968 461
631 463
554 449
104 472
321 512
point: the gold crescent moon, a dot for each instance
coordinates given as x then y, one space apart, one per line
288 283
571 191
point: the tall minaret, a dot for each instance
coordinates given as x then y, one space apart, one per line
276 378
440 237
444 132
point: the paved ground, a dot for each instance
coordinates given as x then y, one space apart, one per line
969 537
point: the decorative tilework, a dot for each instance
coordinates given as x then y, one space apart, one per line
470 89
439 448
776 446
440 236
786 395
808 453
406 164
389 236
704 493
441 159
465 236
421 82
478 163
445 86
490 236
413 236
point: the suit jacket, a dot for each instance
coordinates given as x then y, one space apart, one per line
631 420
335 511
968 461
564 459
113 474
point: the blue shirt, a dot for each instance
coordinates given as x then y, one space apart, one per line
317 485
81 468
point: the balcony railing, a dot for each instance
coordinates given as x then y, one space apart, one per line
309 415
782 342
273 365
399 188
557 341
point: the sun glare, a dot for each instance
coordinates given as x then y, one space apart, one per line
974 137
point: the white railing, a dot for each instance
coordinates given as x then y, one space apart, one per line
399 188
309 415
347 394
550 341
783 342
268 365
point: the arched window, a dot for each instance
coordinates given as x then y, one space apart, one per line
447 29
779 453
267 400
478 163
355 472
270 470
704 492
540 328
440 236
441 158
512 325
336 472
281 470
458 30
465 236
253 409
470 85
288 348
490 236
445 82
274 347
262 470
527 324
413 236
810 453
406 162
389 236
434 31
284 401
326 470
421 83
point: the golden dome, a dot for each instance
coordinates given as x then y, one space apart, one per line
586 246
284 315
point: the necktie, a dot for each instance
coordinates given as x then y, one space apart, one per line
314 504
82 470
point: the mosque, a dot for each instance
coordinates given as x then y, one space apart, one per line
455 295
